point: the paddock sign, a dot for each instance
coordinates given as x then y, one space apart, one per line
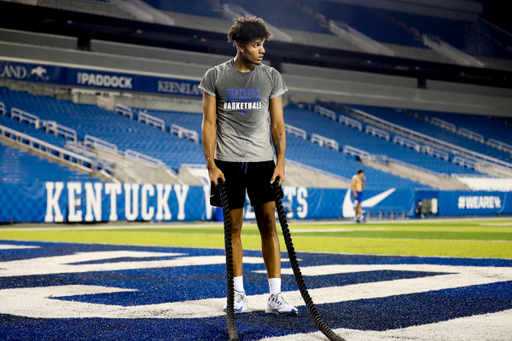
97 78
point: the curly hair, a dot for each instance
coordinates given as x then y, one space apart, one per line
247 29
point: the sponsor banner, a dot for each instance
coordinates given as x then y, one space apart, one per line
80 77
102 201
464 203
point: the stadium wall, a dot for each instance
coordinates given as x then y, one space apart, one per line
54 202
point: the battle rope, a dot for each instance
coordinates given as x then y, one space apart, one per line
278 193
230 309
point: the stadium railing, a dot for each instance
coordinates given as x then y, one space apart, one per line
185 133
377 132
436 152
478 158
52 126
296 131
349 122
356 152
124 110
52 150
465 162
325 112
471 134
500 145
385 159
324 141
406 142
151 120
443 124
94 142
58 129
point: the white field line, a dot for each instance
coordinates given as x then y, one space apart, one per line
35 302
115 226
487 327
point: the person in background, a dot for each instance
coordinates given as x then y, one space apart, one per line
358 182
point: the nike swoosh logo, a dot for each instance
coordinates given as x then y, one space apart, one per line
348 205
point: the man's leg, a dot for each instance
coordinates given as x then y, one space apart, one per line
265 217
237 218
240 304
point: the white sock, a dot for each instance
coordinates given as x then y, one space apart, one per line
275 285
239 283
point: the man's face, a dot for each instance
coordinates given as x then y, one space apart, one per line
253 51
361 175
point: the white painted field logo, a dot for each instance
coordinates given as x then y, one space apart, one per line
479 202
97 79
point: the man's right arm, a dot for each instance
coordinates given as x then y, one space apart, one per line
353 187
209 136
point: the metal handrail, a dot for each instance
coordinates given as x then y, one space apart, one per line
151 120
325 112
48 148
385 158
406 142
443 124
357 152
100 144
452 147
296 131
184 133
321 140
124 110
350 122
471 134
377 132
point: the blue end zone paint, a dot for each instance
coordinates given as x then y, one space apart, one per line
162 285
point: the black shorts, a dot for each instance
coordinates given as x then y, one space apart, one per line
253 176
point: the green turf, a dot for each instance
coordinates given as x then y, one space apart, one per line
432 235
483 239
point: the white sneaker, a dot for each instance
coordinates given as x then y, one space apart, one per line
241 304
277 305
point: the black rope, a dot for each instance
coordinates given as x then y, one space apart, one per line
278 193
230 307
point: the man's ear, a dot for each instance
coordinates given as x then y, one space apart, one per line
241 47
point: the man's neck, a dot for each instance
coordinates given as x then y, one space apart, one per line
241 65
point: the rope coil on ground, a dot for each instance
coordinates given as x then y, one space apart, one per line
278 194
230 310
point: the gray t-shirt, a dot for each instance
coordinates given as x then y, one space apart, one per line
243 116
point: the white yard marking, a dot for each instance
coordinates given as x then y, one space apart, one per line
34 302
487 327
68 263
17 247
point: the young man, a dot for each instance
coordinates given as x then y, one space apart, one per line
242 108
358 182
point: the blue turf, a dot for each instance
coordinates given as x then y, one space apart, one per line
195 282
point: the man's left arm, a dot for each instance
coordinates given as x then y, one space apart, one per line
278 132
